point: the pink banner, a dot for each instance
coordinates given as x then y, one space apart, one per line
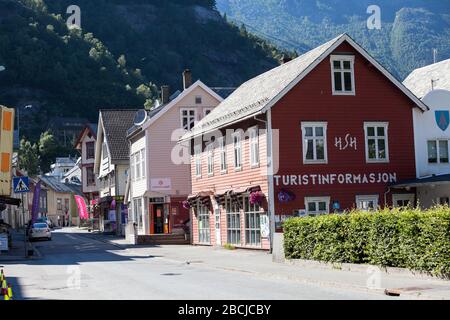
82 209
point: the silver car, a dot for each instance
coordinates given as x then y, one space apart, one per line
40 231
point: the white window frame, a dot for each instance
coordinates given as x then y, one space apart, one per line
342 58
198 160
198 97
376 125
182 117
403 197
210 159
438 152
252 212
143 168
206 110
254 146
314 125
138 172
233 225
373 197
223 155
237 146
316 200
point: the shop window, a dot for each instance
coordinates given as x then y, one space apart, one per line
233 222
343 75
252 223
204 231
376 137
314 142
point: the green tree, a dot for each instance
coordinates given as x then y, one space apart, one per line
29 157
48 150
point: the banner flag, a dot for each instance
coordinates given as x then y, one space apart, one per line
82 209
35 207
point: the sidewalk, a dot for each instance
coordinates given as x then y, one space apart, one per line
367 278
17 251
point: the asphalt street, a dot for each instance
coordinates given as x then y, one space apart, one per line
76 266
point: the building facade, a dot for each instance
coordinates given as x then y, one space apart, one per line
111 166
85 145
327 132
431 135
159 177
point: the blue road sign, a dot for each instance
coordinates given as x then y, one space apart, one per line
21 184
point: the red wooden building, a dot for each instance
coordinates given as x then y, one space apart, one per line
326 132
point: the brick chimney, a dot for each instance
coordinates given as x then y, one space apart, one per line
187 79
165 94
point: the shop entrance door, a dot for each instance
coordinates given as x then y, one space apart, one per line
160 219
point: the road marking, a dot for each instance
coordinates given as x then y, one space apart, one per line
71 237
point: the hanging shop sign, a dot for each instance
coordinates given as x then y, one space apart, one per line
334 178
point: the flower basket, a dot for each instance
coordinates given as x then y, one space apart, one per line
256 198
186 204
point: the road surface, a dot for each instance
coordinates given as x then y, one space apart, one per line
78 266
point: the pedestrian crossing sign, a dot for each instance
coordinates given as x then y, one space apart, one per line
21 184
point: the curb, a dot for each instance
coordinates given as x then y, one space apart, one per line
362 268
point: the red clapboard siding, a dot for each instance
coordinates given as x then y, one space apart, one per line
376 99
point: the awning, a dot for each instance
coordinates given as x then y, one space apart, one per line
10 201
235 194
203 197
430 181
107 199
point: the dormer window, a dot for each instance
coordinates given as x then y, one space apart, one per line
343 75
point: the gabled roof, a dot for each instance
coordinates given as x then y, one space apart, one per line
115 124
91 128
420 80
154 115
262 92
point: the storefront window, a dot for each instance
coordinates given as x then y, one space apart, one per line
233 222
204 232
252 223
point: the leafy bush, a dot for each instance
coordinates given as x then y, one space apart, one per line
414 239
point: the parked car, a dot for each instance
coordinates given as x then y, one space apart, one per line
40 230
45 220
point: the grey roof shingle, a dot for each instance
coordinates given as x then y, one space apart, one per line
256 93
259 93
116 124
419 81
55 184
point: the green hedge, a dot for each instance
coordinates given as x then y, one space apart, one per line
414 239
